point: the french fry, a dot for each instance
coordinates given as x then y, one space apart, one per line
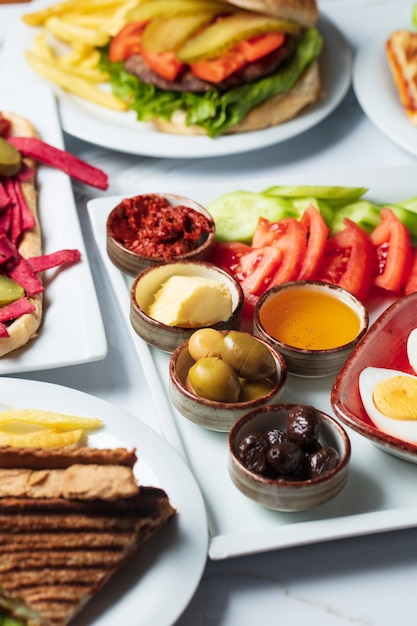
41 48
68 32
49 419
49 438
74 84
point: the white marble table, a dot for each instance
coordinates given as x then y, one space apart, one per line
366 581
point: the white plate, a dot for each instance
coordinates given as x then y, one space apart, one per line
156 586
72 330
121 131
380 494
375 90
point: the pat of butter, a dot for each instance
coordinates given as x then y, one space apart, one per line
191 301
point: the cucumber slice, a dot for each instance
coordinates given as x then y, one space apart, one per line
236 214
317 191
364 213
10 158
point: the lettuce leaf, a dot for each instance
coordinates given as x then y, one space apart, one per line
214 111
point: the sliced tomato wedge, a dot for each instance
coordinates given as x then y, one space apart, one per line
257 47
317 233
393 247
349 260
128 41
254 268
216 70
164 64
411 281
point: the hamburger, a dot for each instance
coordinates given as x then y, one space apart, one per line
215 67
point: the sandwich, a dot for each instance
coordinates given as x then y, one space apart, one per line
22 261
401 52
214 67
58 548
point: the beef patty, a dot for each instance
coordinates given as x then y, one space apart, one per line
186 81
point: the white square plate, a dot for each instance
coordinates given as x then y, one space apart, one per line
72 330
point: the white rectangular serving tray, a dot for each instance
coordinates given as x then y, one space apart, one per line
380 494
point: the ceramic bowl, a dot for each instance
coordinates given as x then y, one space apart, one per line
148 282
278 493
384 346
132 263
218 416
305 361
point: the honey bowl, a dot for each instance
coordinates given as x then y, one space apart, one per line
313 324
152 228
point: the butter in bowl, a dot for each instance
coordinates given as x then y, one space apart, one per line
169 301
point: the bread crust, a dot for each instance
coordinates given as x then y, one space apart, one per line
25 327
276 110
303 12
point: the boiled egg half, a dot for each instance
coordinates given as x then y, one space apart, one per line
390 396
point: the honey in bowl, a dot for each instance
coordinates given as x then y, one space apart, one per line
309 319
313 324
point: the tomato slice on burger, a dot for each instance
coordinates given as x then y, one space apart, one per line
216 70
257 47
349 260
128 41
393 247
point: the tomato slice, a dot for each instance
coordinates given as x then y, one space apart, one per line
317 233
292 244
257 47
165 64
128 41
349 260
216 70
393 246
411 281
254 268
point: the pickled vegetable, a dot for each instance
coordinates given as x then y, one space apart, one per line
9 290
166 34
10 159
204 342
220 36
213 379
249 357
172 8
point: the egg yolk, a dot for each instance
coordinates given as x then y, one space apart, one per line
396 398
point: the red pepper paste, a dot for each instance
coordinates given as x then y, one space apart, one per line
149 225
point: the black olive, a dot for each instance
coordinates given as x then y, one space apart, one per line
276 436
322 462
252 452
303 425
286 458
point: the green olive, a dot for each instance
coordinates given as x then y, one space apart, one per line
9 290
204 342
214 379
253 389
249 357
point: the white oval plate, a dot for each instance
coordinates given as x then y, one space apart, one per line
375 90
121 131
155 586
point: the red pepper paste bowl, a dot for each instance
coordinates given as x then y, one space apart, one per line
152 228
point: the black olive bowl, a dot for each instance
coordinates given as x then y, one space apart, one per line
284 493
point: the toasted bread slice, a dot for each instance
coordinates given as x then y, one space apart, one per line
401 51
57 552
